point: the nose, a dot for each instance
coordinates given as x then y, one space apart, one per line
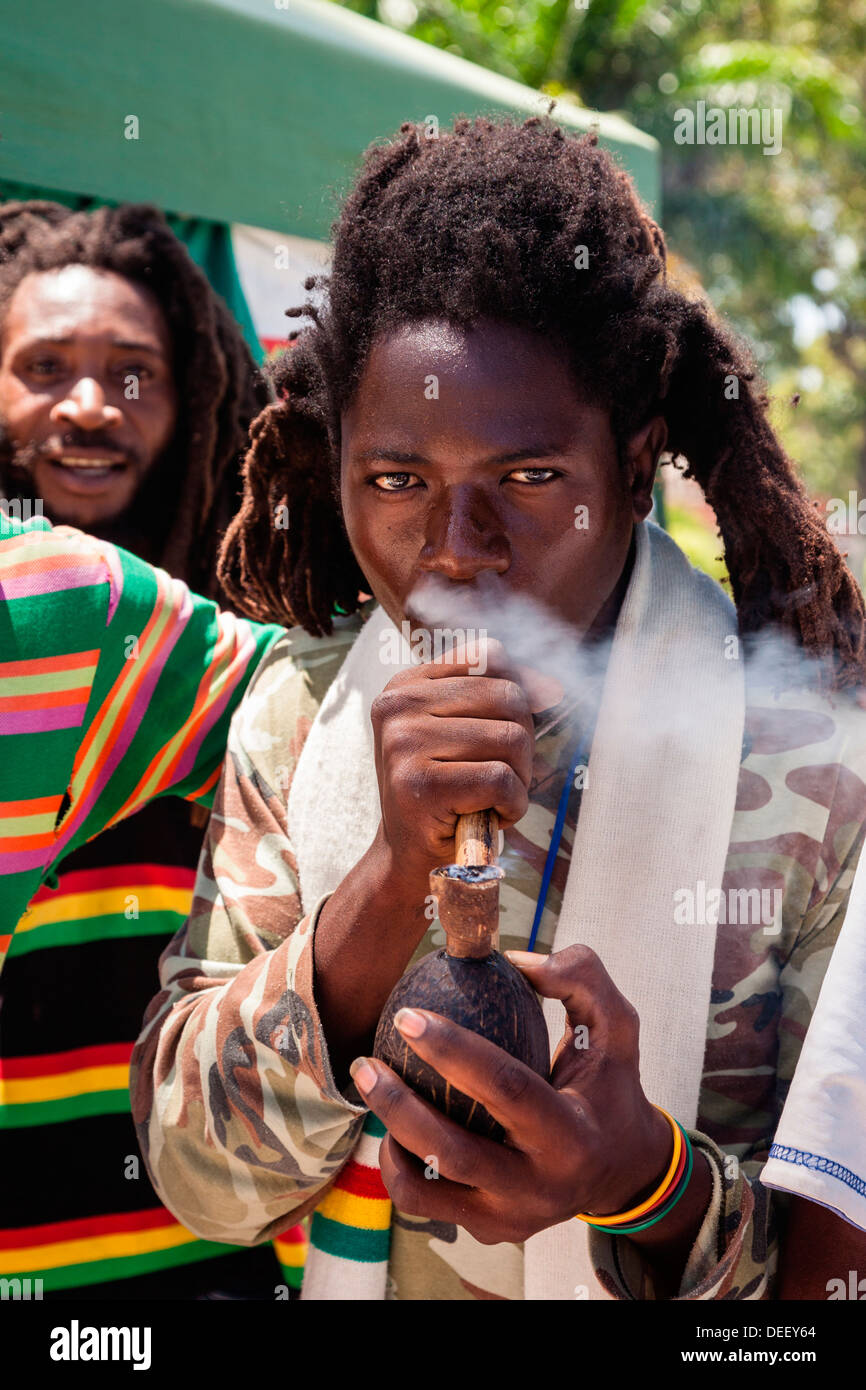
86 406
465 537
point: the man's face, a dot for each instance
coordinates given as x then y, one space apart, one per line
469 453
87 393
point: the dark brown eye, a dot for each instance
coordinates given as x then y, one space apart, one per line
393 482
533 475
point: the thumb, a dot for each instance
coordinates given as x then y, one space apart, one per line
575 976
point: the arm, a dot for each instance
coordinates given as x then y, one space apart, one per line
238 1115
736 1251
243 1117
172 670
817 1248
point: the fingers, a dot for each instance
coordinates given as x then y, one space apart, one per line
454 695
469 787
485 657
416 1194
524 1104
577 977
453 1151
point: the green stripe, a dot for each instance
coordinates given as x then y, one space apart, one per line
293 1275
349 1242
128 1266
36 823
50 681
112 926
54 1112
374 1127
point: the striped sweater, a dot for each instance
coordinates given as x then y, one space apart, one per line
116 686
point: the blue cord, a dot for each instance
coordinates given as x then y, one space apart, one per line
556 837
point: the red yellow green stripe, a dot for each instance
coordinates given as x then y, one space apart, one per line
97 1249
32 1087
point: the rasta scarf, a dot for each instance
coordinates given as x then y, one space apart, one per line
665 760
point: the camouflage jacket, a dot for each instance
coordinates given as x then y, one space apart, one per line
238 1114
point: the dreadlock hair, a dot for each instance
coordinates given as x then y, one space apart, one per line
483 222
218 385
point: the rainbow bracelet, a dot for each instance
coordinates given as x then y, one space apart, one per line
668 1206
662 1201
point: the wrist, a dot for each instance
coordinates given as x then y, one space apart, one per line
401 874
651 1152
365 936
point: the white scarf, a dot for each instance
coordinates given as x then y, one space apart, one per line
655 818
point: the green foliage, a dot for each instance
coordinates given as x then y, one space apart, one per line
775 239
698 539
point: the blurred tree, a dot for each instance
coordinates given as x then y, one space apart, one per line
776 239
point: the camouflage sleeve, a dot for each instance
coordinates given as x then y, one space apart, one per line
238 1116
735 1254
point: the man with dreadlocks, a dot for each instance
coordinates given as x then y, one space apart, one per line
126 392
475 417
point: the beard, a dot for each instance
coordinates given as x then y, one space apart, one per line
141 527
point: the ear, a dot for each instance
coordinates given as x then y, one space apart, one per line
642 454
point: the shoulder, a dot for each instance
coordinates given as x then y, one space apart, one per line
56 573
805 740
285 694
801 796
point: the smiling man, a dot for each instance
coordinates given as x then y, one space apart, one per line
87 390
555 390
126 392
125 386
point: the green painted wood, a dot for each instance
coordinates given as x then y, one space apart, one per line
246 112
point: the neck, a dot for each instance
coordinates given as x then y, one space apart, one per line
605 620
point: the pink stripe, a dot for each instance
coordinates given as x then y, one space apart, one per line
242 659
133 719
42 721
115 570
78 574
20 861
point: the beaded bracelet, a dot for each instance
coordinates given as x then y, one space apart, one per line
662 1192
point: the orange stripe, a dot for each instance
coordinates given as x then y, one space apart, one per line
42 665
11 844
206 786
45 564
50 699
30 808
109 709
203 700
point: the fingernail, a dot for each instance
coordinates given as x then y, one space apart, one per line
522 957
410 1022
363 1075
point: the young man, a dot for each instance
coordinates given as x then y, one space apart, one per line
476 417
126 393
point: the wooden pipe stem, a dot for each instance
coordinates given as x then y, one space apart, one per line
477 838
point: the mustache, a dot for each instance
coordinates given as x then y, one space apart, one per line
24 457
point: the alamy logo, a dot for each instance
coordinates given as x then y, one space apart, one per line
735 125
446 644
21 1290
713 907
76 1343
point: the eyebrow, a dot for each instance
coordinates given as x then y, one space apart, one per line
531 451
67 340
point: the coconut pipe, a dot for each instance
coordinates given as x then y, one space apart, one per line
468 981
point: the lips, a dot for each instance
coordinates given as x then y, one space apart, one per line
87 471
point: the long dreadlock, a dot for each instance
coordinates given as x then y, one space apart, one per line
218 386
484 223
